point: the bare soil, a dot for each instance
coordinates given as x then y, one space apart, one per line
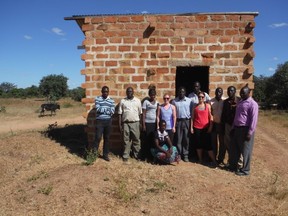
44 174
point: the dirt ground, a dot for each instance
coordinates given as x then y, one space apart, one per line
46 175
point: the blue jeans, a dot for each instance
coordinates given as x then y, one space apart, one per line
103 127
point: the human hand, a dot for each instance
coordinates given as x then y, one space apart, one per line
248 137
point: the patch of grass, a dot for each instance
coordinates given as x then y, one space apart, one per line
277 116
36 160
91 157
157 186
45 190
122 193
39 175
67 105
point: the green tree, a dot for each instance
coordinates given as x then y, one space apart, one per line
277 86
32 91
260 86
53 86
5 87
77 93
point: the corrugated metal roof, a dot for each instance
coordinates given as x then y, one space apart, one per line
74 17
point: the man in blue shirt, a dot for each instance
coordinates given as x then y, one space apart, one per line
105 108
183 112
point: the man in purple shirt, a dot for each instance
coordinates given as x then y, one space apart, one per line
243 130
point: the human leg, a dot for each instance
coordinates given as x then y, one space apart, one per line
106 137
126 139
98 134
135 138
247 148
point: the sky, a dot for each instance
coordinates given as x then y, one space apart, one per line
36 41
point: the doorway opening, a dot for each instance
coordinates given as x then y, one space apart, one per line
186 76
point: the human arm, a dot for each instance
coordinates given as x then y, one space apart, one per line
192 121
158 116
253 116
174 118
120 123
210 118
143 119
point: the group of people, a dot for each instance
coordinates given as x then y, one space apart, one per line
187 127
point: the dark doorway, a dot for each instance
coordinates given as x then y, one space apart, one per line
186 76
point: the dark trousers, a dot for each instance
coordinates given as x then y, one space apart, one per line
217 138
241 146
103 127
182 132
149 139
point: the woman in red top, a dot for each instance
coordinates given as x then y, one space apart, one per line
201 126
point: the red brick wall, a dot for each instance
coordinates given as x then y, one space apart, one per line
140 50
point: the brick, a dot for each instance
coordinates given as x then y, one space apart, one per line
101 41
137 18
110 19
152 62
167 33
110 63
138 78
115 40
162 70
110 34
98 63
87 27
138 48
231 32
128 70
86 56
124 48
96 20
165 18
129 40
124 19
111 48
191 40
225 25
131 26
201 18
230 47
101 56
217 18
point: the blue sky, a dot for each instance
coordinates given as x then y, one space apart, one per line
36 41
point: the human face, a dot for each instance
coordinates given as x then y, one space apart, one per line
231 91
105 92
166 99
181 93
162 127
130 92
196 87
218 93
152 97
244 93
201 98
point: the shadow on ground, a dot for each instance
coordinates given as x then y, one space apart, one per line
73 137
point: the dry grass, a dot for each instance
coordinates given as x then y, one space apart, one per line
42 173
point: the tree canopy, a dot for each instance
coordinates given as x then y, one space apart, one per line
53 86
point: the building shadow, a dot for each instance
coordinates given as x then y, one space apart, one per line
72 137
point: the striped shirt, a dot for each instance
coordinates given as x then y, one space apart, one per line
105 107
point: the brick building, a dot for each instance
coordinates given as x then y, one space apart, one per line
165 50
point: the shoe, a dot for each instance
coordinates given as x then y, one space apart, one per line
212 165
125 160
230 168
221 163
106 158
241 173
185 159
